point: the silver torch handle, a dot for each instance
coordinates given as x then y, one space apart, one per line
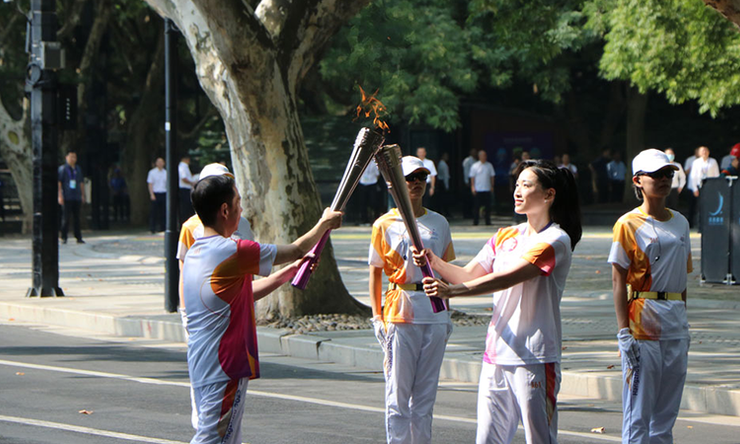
389 164
367 144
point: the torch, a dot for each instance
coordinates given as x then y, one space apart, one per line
367 144
389 164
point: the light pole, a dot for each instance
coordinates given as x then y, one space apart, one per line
172 269
46 56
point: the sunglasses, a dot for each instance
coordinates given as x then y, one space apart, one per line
420 176
661 174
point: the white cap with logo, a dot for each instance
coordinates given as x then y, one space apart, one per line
650 161
214 169
410 164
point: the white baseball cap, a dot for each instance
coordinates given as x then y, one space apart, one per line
410 164
214 169
650 161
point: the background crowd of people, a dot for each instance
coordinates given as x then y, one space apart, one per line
470 190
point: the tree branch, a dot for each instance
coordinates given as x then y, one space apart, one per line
92 46
728 8
73 18
320 22
211 113
9 27
230 27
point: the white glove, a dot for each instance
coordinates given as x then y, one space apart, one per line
379 327
183 317
629 348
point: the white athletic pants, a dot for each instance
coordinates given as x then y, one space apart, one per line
193 407
651 395
414 354
220 411
509 393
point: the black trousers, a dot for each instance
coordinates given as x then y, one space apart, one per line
185 206
158 212
693 209
672 199
71 209
482 198
121 207
617 190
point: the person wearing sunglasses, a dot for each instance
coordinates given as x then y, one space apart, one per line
651 259
412 336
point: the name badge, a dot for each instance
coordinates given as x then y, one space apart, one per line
72 184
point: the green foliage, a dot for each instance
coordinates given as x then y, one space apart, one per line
424 55
680 48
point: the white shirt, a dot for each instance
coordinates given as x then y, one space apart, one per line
370 175
444 173
657 255
573 169
390 249
525 326
702 169
183 171
679 179
192 230
467 163
429 164
482 174
616 170
217 289
689 161
158 179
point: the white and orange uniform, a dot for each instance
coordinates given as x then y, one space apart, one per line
222 348
192 230
415 336
520 377
657 255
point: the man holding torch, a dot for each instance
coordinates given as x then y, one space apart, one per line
412 334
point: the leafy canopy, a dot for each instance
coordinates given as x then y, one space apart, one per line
680 48
424 55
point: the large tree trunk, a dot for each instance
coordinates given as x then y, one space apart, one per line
140 149
729 8
614 112
636 111
251 62
16 151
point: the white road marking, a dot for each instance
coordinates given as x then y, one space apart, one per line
316 401
86 430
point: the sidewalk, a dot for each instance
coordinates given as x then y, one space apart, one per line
114 285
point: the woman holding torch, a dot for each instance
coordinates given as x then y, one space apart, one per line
525 266
412 335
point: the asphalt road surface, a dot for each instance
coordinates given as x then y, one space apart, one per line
137 390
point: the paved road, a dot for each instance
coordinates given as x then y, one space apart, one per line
137 391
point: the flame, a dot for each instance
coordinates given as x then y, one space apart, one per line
370 105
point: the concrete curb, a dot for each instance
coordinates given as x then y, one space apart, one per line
458 365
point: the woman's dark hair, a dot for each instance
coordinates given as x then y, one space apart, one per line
209 194
566 209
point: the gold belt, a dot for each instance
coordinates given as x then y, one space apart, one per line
659 295
406 287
